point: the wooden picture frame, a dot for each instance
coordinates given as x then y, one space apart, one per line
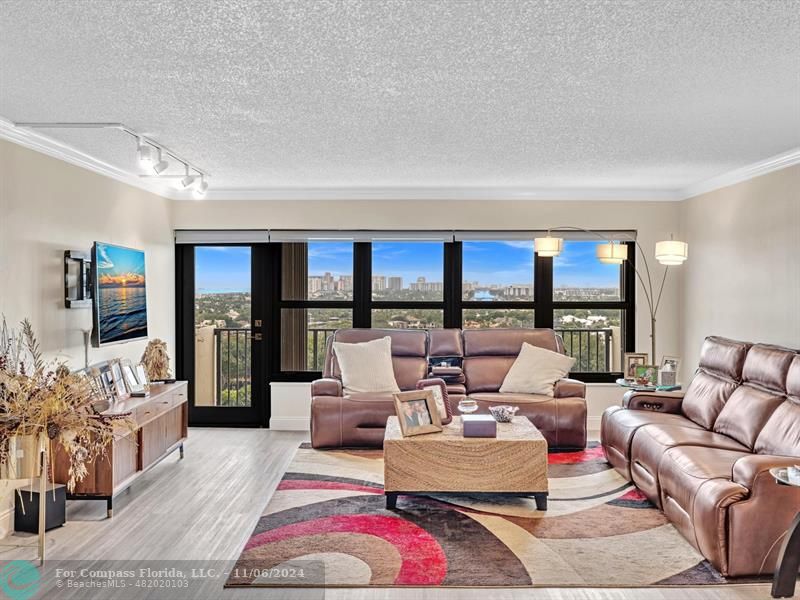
439 389
417 412
632 359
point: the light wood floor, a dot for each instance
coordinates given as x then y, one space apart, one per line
206 505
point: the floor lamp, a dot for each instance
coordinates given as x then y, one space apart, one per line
668 253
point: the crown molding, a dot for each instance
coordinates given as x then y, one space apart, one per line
47 145
438 193
763 167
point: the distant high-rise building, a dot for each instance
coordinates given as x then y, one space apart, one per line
378 283
314 284
395 283
345 283
328 284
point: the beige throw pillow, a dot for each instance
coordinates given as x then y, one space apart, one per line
536 371
367 366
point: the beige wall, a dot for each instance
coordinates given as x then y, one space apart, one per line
653 220
742 279
48 206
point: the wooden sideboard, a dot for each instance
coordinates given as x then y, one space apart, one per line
162 427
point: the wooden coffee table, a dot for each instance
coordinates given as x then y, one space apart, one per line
513 463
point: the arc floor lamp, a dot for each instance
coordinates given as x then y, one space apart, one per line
668 253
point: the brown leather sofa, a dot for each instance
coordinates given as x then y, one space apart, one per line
486 355
704 456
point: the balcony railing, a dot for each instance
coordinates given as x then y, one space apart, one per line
233 358
316 348
590 347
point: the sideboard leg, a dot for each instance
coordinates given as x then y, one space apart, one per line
180 450
109 507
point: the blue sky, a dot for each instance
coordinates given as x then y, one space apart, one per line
116 260
222 269
227 268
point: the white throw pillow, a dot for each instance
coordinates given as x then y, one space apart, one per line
536 371
367 366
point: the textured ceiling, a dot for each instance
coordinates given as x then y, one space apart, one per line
652 94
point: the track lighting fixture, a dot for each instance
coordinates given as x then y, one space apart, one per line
161 165
149 153
144 152
187 180
201 188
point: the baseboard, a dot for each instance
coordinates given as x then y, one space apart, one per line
289 423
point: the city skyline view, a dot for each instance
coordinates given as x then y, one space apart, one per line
222 269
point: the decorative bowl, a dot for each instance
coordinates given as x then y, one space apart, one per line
503 413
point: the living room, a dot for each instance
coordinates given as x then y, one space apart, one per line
400 299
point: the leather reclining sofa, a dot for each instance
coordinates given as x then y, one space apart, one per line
704 456
339 419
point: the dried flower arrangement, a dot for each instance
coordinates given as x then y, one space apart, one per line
156 360
39 398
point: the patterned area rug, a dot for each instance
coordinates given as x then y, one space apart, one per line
327 525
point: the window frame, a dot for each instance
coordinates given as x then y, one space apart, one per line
452 303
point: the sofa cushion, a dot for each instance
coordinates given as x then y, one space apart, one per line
366 366
507 342
620 424
746 413
705 398
652 441
719 372
535 371
486 373
781 434
445 343
768 366
684 469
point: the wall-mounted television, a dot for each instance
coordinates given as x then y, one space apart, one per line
120 294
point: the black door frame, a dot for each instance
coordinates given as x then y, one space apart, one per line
258 414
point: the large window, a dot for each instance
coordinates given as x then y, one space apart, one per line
589 307
497 271
316 299
408 271
469 283
407 284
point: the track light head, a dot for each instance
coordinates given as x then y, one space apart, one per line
144 153
201 188
160 166
187 181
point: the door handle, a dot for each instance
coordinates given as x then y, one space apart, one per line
257 337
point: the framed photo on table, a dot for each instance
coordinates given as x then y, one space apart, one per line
669 369
632 360
439 389
417 412
646 375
